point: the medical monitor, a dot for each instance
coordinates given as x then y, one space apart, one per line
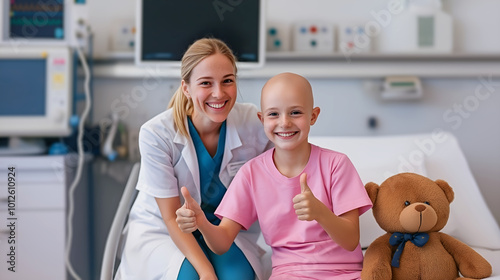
35 91
166 28
35 22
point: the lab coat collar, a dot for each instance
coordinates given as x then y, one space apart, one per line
179 138
233 141
189 155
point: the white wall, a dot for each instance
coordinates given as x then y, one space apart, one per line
474 21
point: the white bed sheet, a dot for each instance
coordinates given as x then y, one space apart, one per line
493 257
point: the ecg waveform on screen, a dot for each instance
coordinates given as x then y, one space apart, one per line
37 19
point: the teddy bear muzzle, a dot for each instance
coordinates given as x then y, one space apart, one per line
418 217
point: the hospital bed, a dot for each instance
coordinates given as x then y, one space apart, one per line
114 242
435 155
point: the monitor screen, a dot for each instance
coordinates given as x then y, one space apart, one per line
166 28
36 19
23 83
35 87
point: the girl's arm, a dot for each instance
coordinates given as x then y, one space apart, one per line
343 229
186 243
190 217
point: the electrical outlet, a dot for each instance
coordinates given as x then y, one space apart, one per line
133 144
123 35
313 36
278 37
353 39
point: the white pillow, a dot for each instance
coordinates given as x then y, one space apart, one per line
470 219
374 165
435 155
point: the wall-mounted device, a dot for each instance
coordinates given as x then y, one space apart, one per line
313 36
402 88
35 85
422 27
165 29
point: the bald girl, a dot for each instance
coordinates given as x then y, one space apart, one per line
282 85
287 114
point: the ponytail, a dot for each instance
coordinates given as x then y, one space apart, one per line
182 107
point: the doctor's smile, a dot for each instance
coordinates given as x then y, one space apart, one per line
216 105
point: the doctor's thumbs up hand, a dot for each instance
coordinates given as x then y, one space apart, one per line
187 214
306 205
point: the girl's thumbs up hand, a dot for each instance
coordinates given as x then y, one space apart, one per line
306 205
187 214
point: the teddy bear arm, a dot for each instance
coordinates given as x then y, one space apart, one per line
377 260
469 262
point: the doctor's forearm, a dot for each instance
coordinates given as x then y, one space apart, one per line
188 245
186 242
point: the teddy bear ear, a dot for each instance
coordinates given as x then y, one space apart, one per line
372 190
448 191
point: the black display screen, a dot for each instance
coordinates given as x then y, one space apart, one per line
170 26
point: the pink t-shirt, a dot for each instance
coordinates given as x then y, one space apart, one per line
260 192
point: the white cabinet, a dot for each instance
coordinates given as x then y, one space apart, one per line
33 217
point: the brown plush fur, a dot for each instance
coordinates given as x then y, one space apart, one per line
442 257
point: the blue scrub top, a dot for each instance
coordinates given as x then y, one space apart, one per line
211 188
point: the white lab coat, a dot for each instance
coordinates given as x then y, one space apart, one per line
168 162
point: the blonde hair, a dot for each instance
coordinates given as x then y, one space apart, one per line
199 50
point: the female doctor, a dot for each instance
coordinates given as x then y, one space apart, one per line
199 142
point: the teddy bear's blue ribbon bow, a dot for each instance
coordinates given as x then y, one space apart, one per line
419 239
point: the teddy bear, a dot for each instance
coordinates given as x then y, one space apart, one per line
413 209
